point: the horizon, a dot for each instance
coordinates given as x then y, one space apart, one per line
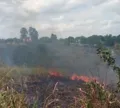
58 37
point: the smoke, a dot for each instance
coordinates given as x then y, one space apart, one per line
71 59
6 54
83 61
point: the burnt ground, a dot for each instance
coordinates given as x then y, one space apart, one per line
50 91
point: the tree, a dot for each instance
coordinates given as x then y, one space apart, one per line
9 40
118 39
94 39
109 40
23 32
44 39
70 40
53 37
78 40
33 34
83 40
12 40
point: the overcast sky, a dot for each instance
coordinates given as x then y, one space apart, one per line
63 17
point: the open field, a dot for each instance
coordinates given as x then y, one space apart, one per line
42 88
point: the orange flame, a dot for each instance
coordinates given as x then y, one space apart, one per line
74 77
55 74
83 78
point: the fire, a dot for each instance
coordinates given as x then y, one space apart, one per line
55 74
74 77
83 78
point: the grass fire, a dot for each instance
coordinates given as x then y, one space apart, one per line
41 89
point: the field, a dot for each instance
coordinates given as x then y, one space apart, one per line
41 88
77 78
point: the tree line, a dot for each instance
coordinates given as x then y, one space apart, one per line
36 53
107 40
32 34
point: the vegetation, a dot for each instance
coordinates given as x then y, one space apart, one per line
33 35
39 87
107 40
106 55
33 84
36 48
23 33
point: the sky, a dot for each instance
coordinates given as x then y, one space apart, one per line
62 17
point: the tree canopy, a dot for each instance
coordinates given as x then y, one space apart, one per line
33 33
23 32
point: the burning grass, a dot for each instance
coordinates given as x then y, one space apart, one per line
41 88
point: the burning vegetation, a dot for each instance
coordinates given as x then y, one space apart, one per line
50 90
42 88
73 77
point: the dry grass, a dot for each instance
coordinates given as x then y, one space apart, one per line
23 88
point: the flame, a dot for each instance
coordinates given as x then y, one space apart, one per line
83 78
74 77
55 74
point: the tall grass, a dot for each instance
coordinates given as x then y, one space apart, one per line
14 88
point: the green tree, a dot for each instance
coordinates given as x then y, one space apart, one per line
44 39
70 40
33 33
53 37
118 39
23 32
109 40
83 40
94 39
